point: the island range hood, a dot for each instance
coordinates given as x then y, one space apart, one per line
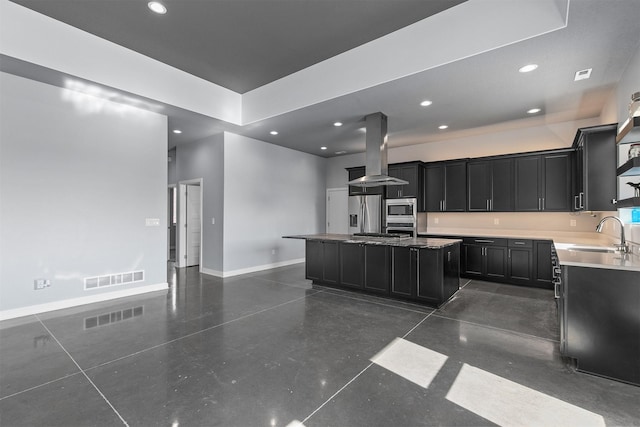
376 168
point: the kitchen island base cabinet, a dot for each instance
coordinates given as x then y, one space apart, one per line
427 273
599 321
322 261
431 276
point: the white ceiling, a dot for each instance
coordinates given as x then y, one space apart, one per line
471 95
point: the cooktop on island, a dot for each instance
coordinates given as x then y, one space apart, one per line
397 236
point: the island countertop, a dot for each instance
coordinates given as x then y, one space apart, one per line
413 242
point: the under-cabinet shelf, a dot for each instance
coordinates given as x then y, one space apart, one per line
630 132
630 168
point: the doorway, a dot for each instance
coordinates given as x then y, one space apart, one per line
172 222
337 211
189 226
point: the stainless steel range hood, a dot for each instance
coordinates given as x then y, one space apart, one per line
376 168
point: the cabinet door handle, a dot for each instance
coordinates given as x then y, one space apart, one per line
509 253
539 204
581 200
518 243
483 241
543 203
556 289
488 205
491 205
576 205
449 256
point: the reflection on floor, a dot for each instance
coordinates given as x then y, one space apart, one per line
271 349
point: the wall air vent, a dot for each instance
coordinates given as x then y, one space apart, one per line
116 279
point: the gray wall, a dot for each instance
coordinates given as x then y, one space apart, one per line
269 192
78 178
205 159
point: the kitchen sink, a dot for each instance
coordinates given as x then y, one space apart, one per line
587 248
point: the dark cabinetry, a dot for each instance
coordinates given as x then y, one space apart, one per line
520 261
486 258
365 267
543 182
427 275
446 186
515 261
322 261
542 268
595 185
413 172
490 185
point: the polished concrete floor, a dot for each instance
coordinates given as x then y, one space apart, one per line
270 349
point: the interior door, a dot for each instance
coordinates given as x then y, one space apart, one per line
193 226
337 211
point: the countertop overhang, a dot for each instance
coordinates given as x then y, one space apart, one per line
413 242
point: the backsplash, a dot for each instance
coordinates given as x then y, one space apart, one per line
547 221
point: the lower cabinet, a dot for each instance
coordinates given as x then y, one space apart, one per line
322 261
485 258
377 268
352 265
426 275
515 261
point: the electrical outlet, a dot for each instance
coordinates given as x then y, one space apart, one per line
152 222
572 223
39 284
273 251
436 220
213 220
496 221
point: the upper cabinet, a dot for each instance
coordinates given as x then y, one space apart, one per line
595 186
413 172
543 182
446 186
490 185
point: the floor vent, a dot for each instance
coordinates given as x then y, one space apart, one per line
113 317
113 280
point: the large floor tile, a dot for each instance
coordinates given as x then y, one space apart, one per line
69 402
266 369
98 335
30 356
529 311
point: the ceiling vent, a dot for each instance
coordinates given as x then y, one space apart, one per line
582 74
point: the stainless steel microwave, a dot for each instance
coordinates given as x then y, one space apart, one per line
401 210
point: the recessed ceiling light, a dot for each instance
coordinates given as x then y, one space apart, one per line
533 110
323 148
337 124
582 74
273 132
426 103
157 7
443 127
528 68
177 131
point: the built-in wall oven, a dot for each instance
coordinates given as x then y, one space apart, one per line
400 216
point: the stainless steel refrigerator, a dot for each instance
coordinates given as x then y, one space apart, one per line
365 214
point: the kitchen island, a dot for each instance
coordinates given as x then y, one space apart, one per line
424 270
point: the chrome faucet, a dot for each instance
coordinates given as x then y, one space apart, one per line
623 246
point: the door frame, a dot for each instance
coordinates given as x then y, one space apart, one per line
170 189
181 236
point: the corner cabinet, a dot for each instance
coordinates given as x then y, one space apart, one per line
543 182
595 187
446 187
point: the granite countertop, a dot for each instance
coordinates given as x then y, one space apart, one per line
413 242
582 238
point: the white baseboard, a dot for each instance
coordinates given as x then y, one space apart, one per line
73 302
251 269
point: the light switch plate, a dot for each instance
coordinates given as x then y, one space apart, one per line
152 222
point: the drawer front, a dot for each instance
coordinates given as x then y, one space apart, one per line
485 241
520 243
